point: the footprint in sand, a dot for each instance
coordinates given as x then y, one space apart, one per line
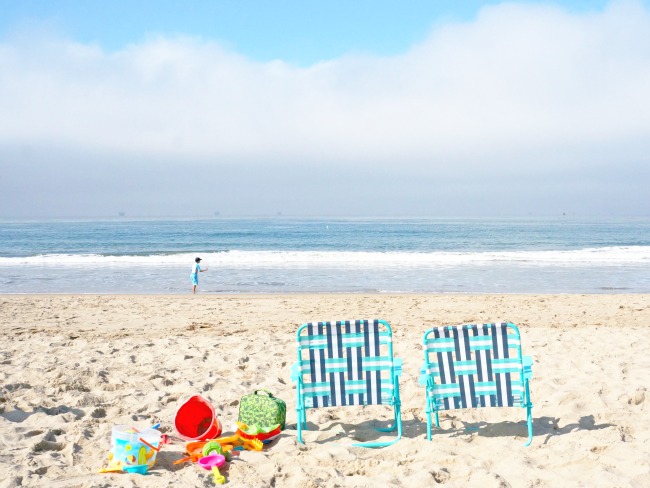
49 443
17 386
98 413
440 476
638 398
33 433
44 445
625 433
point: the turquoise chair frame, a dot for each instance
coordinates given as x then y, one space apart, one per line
474 366
347 363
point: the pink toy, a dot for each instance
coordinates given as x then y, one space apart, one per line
212 461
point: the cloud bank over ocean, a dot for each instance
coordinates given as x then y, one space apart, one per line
526 102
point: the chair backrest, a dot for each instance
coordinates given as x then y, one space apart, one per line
470 366
346 363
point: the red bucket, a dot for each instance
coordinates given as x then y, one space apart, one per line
196 420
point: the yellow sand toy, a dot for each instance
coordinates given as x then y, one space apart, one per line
238 441
219 479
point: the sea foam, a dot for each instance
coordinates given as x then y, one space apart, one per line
614 256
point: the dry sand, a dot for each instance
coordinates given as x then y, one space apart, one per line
71 367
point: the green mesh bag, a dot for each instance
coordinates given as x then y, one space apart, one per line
262 409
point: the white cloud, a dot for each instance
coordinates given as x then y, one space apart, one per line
524 90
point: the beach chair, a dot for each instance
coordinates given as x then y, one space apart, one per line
475 366
347 363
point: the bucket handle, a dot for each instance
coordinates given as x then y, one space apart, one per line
157 449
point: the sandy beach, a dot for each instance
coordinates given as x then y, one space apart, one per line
73 366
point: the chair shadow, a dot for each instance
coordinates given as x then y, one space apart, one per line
366 431
550 426
413 428
542 426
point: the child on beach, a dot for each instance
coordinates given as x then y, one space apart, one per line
196 269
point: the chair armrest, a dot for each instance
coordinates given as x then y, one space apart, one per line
397 366
528 367
295 372
424 376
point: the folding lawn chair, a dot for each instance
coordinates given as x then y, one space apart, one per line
347 363
474 366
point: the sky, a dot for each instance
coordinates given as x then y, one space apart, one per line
433 108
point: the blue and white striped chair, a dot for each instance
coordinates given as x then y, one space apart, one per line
347 363
474 366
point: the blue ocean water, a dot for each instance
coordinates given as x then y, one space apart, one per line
286 255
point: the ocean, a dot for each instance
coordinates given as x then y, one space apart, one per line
291 255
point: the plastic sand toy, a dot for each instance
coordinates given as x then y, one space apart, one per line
133 450
212 461
196 420
198 449
264 434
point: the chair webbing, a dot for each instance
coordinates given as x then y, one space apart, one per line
474 366
345 364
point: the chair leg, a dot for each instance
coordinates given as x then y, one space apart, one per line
529 421
431 410
302 423
376 444
397 413
529 415
398 417
427 412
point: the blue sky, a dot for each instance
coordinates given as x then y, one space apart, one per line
419 108
299 32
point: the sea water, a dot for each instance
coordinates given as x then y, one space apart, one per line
284 255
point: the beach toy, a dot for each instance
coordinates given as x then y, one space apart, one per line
240 442
138 468
199 449
196 420
212 447
218 478
196 450
212 461
264 434
131 449
113 467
